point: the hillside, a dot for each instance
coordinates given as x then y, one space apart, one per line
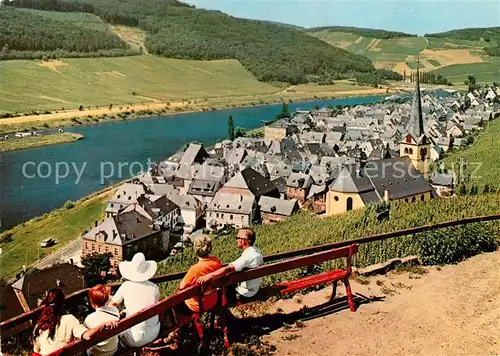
470 48
271 52
35 34
480 161
69 83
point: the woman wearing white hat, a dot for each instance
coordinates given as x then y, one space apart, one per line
138 293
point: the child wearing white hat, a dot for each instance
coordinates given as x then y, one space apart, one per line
137 292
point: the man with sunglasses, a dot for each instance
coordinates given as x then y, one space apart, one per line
251 257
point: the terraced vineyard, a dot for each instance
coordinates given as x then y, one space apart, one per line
401 54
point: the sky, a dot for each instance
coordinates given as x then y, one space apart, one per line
411 16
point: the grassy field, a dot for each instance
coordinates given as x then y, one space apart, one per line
482 155
20 244
400 54
37 141
69 83
487 72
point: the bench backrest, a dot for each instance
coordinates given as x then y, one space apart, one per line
196 290
288 265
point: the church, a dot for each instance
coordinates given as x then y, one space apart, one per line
399 178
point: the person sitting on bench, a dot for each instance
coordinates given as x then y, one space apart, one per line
251 257
137 292
202 245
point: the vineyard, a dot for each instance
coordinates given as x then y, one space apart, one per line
477 166
305 230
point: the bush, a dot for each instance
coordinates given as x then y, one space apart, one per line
453 245
69 205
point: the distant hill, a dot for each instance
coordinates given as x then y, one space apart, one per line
456 53
285 25
173 29
365 32
470 34
487 35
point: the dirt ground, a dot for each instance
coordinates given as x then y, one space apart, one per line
452 310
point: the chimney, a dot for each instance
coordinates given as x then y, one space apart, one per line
387 196
96 222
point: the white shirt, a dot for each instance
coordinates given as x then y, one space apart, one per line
137 296
69 329
101 315
250 258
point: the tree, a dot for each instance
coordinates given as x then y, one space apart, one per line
230 128
471 82
240 132
316 107
96 266
284 108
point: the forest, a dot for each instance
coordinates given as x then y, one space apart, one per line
365 32
471 34
271 52
26 35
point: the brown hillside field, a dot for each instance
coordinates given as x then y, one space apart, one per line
359 39
445 57
373 46
451 56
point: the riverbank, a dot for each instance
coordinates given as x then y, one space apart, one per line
21 244
93 115
14 144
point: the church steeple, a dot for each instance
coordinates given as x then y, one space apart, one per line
416 145
416 124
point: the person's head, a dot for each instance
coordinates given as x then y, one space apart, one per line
202 245
53 309
99 295
245 238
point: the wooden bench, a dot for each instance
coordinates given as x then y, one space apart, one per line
284 288
221 283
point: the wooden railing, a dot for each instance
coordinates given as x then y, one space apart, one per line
171 301
186 294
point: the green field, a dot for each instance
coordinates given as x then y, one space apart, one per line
487 72
21 244
26 85
453 43
434 62
414 65
37 141
482 155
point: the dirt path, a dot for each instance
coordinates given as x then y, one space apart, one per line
452 311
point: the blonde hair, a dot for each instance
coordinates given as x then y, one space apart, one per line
202 245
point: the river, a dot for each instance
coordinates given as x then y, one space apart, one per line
94 162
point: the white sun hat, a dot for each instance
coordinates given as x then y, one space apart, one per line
138 270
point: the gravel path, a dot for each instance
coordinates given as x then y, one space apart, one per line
453 310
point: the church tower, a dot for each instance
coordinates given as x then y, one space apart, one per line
415 144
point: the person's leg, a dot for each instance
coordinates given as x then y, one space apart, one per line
183 315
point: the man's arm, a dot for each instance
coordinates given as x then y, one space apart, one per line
216 274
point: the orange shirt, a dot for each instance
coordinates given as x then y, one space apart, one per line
203 267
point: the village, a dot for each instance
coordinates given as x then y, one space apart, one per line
327 161
311 160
